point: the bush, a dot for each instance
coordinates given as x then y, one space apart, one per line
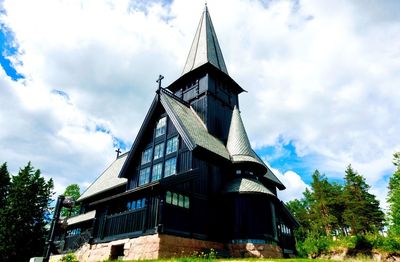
70 257
391 243
313 246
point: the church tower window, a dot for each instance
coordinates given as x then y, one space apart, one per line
157 171
158 151
160 128
144 176
170 167
172 145
146 156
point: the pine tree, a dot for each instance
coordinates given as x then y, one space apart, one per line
394 198
299 209
72 191
362 212
321 206
4 184
23 230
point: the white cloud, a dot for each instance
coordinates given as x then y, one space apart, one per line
322 75
295 186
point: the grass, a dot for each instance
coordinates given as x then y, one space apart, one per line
227 260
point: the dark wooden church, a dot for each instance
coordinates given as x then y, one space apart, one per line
191 181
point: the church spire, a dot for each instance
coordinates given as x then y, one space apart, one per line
238 143
205 47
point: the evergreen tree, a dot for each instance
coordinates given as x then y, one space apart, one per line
394 197
299 209
4 184
322 199
22 233
74 192
362 212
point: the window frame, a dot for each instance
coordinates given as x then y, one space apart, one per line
171 144
147 176
167 167
161 127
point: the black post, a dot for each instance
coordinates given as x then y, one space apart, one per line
54 222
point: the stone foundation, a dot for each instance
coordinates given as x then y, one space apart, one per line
166 246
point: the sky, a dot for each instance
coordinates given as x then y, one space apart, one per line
78 76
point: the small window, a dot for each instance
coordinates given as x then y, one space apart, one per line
172 145
186 205
144 176
160 128
146 156
170 167
175 199
133 204
159 151
128 206
157 171
139 203
168 197
238 172
181 199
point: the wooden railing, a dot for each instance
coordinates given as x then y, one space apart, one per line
126 222
74 242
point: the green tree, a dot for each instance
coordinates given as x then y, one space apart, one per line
362 212
321 207
22 232
73 191
4 184
394 197
299 209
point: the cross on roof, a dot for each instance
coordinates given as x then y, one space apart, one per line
160 77
118 152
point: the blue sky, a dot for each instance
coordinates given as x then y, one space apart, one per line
78 77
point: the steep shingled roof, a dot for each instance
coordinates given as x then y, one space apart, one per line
190 126
239 147
107 180
205 47
246 185
238 143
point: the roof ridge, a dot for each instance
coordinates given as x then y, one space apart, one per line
172 95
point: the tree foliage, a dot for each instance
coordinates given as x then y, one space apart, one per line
23 218
362 212
394 198
331 209
4 184
73 191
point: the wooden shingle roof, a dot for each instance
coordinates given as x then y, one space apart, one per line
107 180
246 185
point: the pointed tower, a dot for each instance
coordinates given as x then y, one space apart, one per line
205 47
205 83
239 147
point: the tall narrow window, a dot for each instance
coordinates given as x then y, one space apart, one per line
144 176
159 151
172 145
157 170
160 128
146 156
170 167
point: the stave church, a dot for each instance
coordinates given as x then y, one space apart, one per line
191 183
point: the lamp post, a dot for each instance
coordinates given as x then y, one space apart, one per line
62 201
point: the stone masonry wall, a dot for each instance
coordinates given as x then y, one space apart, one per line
166 246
